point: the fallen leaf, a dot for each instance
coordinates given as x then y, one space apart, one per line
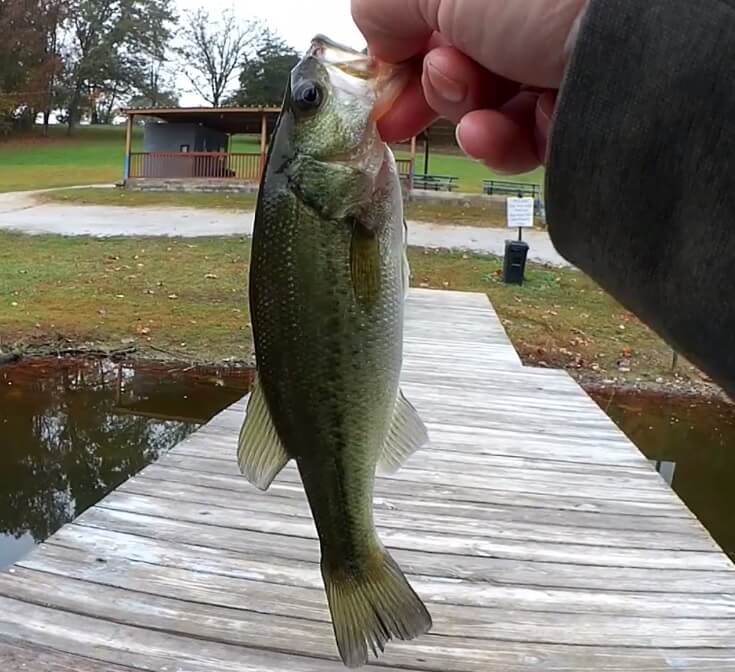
173 296
210 276
120 296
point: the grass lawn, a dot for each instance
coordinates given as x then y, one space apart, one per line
470 173
95 154
131 199
490 215
190 300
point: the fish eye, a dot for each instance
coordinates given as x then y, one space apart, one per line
308 96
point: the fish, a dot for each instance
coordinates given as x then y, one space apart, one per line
327 285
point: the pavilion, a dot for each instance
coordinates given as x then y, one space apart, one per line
193 146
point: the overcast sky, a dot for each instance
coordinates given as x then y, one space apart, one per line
297 21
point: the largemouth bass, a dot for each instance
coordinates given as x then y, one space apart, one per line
328 280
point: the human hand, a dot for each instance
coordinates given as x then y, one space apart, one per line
491 66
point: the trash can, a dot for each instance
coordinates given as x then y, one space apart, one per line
514 264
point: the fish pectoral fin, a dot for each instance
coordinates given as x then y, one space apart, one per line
370 606
260 453
406 435
365 263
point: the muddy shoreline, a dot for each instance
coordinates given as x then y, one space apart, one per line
597 385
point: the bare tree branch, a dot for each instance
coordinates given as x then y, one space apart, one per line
211 51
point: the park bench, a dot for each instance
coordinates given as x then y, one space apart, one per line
435 182
493 187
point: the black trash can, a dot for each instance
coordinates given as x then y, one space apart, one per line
514 264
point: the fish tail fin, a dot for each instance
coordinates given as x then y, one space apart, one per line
371 606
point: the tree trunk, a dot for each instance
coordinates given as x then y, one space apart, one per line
46 120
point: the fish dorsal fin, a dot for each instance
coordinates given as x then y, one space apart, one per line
365 263
407 434
260 453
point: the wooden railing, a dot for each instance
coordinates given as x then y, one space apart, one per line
181 165
405 171
222 165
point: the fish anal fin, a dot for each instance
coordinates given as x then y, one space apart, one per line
260 453
406 435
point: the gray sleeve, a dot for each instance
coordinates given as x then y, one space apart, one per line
641 171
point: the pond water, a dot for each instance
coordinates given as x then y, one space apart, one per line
71 431
692 444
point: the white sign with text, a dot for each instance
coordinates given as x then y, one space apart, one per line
520 213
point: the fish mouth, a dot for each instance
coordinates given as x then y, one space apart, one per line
386 80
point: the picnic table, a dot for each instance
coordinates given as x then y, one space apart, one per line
511 188
435 182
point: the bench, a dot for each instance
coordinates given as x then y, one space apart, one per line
434 182
511 188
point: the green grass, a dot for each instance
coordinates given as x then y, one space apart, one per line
95 154
470 173
190 298
131 199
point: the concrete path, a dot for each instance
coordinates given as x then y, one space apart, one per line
22 212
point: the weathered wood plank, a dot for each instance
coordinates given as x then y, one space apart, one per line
240 584
188 487
496 480
259 563
153 651
455 630
430 492
18 656
254 505
301 542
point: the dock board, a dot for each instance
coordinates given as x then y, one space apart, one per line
538 535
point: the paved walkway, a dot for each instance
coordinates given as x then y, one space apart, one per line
21 212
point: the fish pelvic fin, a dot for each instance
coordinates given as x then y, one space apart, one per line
406 435
260 453
371 606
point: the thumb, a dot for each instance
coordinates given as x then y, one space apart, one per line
522 40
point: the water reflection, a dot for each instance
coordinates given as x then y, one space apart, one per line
692 445
71 431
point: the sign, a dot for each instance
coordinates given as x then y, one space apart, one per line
520 213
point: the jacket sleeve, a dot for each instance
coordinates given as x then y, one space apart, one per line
641 170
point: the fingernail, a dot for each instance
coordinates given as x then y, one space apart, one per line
571 41
544 114
449 89
458 138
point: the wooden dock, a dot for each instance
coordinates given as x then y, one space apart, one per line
538 535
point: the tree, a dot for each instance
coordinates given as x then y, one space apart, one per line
111 45
263 77
211 51
29 56
157 87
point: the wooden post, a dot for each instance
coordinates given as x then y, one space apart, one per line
128 145
426 151
413 163
263 141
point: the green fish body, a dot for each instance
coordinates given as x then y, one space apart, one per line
328 281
